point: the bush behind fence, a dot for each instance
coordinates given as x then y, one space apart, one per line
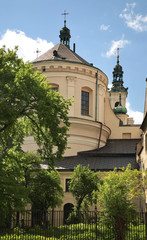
69 225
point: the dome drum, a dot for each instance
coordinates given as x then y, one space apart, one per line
86 135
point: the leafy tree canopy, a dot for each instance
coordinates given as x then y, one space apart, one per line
83 183
28 106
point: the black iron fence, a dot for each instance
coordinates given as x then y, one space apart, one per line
70 226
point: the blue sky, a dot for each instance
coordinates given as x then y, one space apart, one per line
97 27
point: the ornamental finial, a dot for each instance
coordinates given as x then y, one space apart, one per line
118 55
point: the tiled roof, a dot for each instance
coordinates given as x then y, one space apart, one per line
97 163
116 146
116 154
60 52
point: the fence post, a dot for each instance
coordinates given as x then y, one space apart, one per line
146 225
96 224
52 217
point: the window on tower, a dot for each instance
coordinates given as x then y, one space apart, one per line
117 104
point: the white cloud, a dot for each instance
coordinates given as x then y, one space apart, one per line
104 27
114 45
109 86
138 22
27 46
137 116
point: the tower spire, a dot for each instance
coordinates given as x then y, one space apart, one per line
65 32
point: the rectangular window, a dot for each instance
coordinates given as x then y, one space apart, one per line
85 103
67 184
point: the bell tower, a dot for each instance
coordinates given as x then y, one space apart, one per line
118 92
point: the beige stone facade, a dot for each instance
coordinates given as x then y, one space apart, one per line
71 78
92 131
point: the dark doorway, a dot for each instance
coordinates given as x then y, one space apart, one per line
68 208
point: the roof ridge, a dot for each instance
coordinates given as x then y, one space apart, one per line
58 45
72 52
78 56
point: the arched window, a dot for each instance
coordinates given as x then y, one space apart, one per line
43 68
86 99
85 103
117 104
68 208
55 87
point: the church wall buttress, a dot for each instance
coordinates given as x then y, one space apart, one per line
101 96
71 92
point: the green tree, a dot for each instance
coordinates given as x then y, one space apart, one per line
28 106
83 183
116 196
45 190
18 169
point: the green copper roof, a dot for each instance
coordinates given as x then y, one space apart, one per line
120 110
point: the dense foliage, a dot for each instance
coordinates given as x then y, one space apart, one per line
28 106
45 190
117 198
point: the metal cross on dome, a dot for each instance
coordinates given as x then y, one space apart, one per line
118 55
118 51
65 13
37 51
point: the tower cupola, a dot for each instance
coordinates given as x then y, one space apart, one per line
65 33
117 84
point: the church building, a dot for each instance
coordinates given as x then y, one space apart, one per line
102 135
